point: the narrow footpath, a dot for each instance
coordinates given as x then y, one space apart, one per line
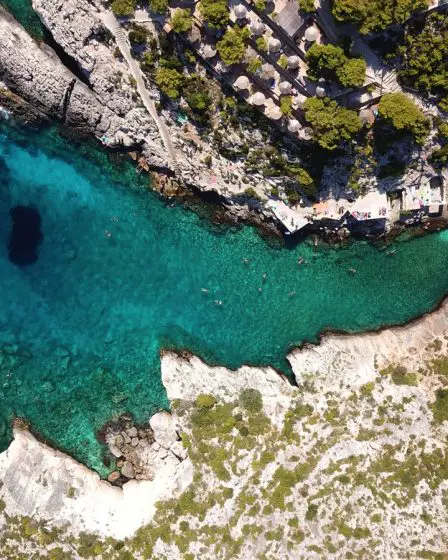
112 24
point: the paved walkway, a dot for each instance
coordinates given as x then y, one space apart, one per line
111 22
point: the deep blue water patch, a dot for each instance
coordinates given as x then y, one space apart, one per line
121 275
26 235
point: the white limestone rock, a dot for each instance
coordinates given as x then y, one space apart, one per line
188 377
37 481
163 427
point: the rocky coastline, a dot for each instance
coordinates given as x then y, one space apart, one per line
101 101
153 462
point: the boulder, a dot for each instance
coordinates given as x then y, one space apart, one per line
128 470
179 450
163 427
115 451
113 477
132 432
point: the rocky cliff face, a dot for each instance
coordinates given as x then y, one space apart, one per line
36 73
77 26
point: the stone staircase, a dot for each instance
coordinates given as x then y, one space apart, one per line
112 24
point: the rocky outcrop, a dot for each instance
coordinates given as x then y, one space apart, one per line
36 73
78 28
140 452
353 360
187 376
43 483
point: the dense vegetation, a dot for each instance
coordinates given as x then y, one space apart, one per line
423 59
122 8
331 63
331 123
182 21
215 12
398 110
375 15
232 47
158 6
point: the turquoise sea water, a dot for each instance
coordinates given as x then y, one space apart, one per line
24 13
119 276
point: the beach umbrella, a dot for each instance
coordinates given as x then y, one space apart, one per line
294 125
276 113
274 44
293 62
267 72
258 99
242 83
299 100
257 27
285 88
240 11
209 51
311 34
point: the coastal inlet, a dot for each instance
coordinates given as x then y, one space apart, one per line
121 275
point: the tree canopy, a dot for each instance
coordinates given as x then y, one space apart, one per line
158 6
232 47
352 73
169 81
123 8
196 94
138 34
375 15
331 123
398 110
306 6
215 12
424 56
331 63
181 21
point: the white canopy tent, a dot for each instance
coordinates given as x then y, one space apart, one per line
285 88
240 11
209 51
293 62
294 125
257 27
275 113
242 83
311 34
258 99
299 100
274 45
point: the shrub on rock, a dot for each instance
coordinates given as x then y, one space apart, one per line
251 400
205 401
